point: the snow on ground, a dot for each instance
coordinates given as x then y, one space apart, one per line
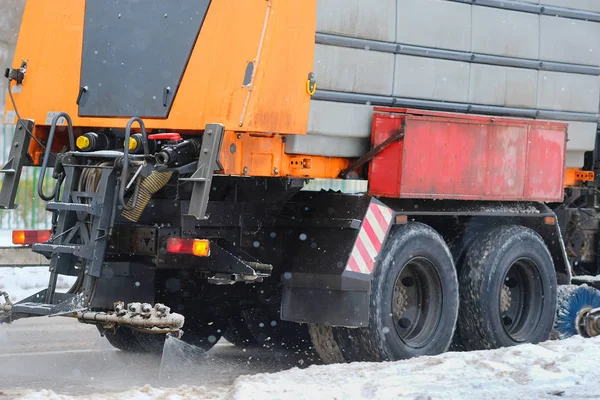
566 369
20 283
5 238
587 278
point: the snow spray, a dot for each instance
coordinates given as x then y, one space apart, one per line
183 361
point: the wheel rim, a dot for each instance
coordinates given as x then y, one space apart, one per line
417 302
520 308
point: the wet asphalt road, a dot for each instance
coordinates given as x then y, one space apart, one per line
67 357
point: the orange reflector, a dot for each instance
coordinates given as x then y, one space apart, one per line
550 221
30 237
401 219
196 247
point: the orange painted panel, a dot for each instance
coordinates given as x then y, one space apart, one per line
251 155
211 90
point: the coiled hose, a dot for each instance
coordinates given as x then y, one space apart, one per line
149 186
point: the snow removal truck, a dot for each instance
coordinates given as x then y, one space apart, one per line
375 179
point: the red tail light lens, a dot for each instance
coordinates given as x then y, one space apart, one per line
196 247
21 237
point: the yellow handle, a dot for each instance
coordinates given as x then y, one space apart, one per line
311 87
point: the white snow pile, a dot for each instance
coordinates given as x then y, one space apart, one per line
587 278
20 283
566 369
145 393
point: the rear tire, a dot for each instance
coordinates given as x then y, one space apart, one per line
122 338
325 344
414 301
203 331
271 332
237 332
197 332
508 290
152 343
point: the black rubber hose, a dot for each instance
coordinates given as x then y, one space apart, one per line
55 120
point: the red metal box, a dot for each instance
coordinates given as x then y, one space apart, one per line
467 157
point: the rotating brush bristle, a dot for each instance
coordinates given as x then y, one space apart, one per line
572 300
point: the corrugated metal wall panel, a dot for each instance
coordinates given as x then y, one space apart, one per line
569 40
568 92
430 78
503 86
582 135
434 23
358 18
505 33
340 119
354 70
589 5
328 146
459 31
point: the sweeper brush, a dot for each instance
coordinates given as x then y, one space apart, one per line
578 312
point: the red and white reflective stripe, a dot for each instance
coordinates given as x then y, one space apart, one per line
370 239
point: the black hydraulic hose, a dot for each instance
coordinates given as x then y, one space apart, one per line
125 170
55 120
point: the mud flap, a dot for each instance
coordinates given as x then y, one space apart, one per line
340 299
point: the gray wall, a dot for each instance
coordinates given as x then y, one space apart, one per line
11 12
510 44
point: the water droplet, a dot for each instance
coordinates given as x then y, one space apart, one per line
256 244
137 284
261 325
212 339
273 323
303 236
273 235
385 330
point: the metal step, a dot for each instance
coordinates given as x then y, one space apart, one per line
59 206
54 248
32 308
83 251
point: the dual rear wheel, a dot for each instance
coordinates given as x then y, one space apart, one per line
504 294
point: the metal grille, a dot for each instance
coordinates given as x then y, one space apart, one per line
31 212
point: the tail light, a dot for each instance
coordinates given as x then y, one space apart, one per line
30 237
196 247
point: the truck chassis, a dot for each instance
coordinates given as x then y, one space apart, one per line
385 275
